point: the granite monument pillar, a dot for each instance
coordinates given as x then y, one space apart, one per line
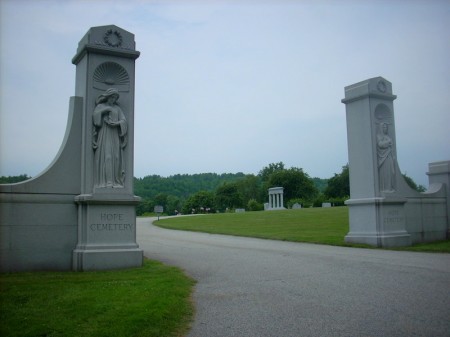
383 210
376 213
105 72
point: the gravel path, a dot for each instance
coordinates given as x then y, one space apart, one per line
257 288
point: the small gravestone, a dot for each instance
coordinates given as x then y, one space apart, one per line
240 210
326 204
296 206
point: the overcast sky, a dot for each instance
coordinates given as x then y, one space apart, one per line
231 86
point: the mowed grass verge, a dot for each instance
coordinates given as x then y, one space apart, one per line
150 301
313 225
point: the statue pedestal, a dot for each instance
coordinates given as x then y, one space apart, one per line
378 222
106 233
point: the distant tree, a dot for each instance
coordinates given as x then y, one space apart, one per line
339 184
13 179
320 183
145 206
161 200
296 183
174 205
254 205
411 183
228 196
267 171
199 202
181 185
249 188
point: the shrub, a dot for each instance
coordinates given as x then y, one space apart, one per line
253 205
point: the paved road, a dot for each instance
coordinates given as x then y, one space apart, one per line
257 288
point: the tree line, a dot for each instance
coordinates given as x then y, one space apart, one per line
211 192
13 179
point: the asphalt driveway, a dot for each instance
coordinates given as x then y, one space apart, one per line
257 288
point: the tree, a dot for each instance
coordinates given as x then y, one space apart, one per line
174 205
145 206
267 171
228 196
13 179
202 201
249 188
411 183
161 200
339 184
296 183
253 205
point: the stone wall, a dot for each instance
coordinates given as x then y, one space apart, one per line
38 217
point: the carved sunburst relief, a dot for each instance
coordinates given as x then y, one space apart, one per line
383 113
110 74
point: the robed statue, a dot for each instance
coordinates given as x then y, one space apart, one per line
386 160
109 140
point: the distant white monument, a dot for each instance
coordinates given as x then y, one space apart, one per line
383 210
276 195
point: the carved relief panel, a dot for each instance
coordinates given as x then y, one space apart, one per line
110 126
385 146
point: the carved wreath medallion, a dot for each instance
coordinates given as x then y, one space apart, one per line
381 86
112 38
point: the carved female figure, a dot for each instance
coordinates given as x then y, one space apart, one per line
386 160
109 141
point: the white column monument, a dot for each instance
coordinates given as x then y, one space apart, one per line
276 200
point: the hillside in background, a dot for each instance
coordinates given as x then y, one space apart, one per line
184 185
181 185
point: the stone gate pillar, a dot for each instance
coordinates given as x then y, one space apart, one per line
105 72
376 212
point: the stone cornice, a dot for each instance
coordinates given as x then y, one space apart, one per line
99 49
387 97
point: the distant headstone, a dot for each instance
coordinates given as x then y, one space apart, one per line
296 206
326 204
240 210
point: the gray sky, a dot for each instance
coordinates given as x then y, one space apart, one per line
231 86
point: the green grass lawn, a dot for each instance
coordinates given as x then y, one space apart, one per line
314 225
150 301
